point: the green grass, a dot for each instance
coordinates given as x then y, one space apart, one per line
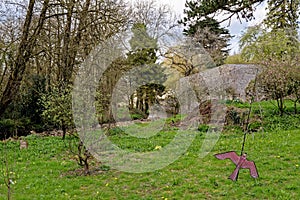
44 172
47 170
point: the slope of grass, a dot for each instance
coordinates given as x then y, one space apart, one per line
47 170
43 172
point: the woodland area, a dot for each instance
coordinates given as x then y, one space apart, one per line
130 58
44 43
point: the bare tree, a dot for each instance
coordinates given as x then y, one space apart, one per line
55 38
23 53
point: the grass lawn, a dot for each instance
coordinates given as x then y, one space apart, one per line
47 170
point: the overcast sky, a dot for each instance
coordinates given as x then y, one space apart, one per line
235 27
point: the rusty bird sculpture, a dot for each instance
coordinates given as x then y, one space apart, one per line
240 162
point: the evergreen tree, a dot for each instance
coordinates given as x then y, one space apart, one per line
283 14
199 9
143 59
207 31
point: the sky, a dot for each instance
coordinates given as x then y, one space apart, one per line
235 28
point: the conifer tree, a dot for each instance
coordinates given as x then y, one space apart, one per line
283 14
207 31
142 57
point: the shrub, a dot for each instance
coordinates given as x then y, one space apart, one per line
235 59
203 127
11 127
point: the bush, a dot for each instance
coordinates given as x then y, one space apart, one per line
255 126
115 131
175 119
203 127
137 114
235 59
11 127
7 126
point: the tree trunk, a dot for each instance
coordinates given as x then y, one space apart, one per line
280 104
72 46
86 167
24 54
64 129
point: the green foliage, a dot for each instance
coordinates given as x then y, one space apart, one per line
24 113
47 171
203 127
31 92
233 117
15 127
255 126
175 119
242 9
206 29
141 39
143 47
57 105
260 45
208 33
136 116
8 126
235 59
278 53
237 103
115 131
283 14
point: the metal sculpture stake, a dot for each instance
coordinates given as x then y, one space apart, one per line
240 162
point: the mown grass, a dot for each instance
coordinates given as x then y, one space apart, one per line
47 170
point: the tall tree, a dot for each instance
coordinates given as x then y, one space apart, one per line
42 44
276 48
207 31
143 57
212 37
149 24
242 9
160 20
283 14
24 51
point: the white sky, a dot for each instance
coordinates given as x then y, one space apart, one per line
235 28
